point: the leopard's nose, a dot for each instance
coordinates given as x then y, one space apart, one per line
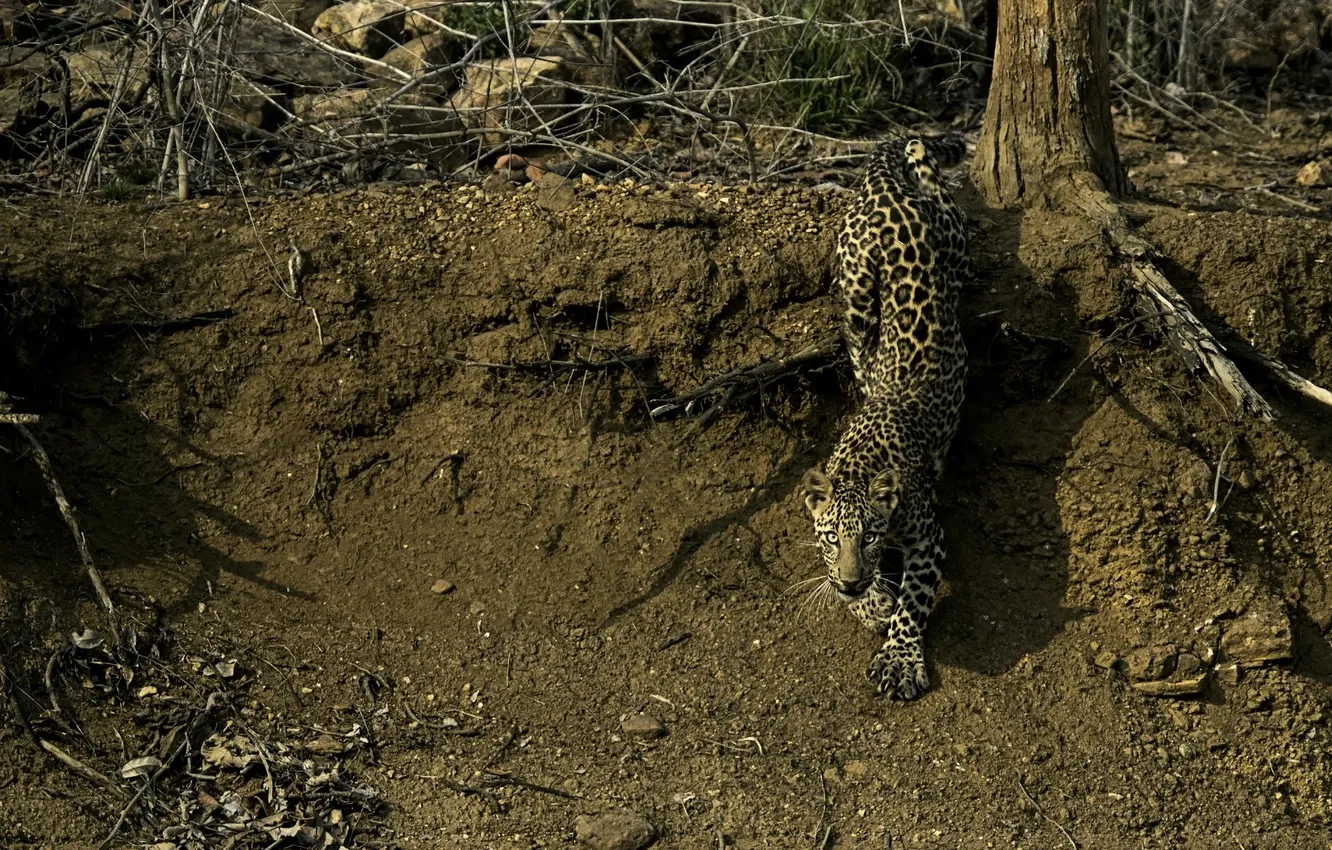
852 588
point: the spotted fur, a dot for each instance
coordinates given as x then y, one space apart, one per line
903 258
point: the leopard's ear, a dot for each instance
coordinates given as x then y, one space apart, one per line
818 491
883 490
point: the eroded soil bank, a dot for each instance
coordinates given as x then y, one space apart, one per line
390 542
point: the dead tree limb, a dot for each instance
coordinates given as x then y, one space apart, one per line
1186 334
1283 374
1192 341
745 381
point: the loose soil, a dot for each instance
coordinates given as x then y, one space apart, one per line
391 538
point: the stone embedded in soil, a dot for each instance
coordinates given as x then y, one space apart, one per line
614 830
368 27
1173 687
1260 637
1149 663
1316 173
442 586
1195 480
855 770
420 55
1107 660
643 726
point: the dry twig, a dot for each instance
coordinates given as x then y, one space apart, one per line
80 541
745 381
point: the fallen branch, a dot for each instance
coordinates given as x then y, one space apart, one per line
577 364
1283 374
743 382
164 326
80 768
67 511
1192 341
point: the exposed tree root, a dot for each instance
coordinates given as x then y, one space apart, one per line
1160 304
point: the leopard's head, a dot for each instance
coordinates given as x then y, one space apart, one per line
851 524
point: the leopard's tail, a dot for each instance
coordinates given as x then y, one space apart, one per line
948 150
921 160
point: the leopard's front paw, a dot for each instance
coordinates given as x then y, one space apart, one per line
899 673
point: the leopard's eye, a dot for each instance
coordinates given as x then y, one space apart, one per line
830 537
869 537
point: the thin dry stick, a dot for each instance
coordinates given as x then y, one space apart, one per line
1042 813
1216 484
1294 202
79 767
169 94
67 511
1097 350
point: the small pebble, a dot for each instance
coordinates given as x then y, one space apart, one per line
442 586
614 830
643 726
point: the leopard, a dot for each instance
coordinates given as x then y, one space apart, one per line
903 258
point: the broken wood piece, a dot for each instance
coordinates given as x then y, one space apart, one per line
744 381
1283 375
1192 341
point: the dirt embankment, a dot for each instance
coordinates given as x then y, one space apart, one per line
287 479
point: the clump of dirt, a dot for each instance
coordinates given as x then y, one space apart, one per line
346 482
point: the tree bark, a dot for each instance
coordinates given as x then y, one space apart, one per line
1048 139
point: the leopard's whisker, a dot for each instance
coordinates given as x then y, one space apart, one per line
803 583
811 600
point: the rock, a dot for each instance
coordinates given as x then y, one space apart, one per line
1187 666
615 830
1107 660
425 17
1176 158
510 161
301 14
516 94
1316 173
93 73
368 27
855 770
1229 674
498 183
1260 637
276 57
358 112
1260 35
1247 480
1173 687
1150 662
581 52
442 586
29 89
556 193
255 105
1195 479
643 726
419 55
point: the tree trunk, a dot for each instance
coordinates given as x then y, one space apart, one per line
1048 140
